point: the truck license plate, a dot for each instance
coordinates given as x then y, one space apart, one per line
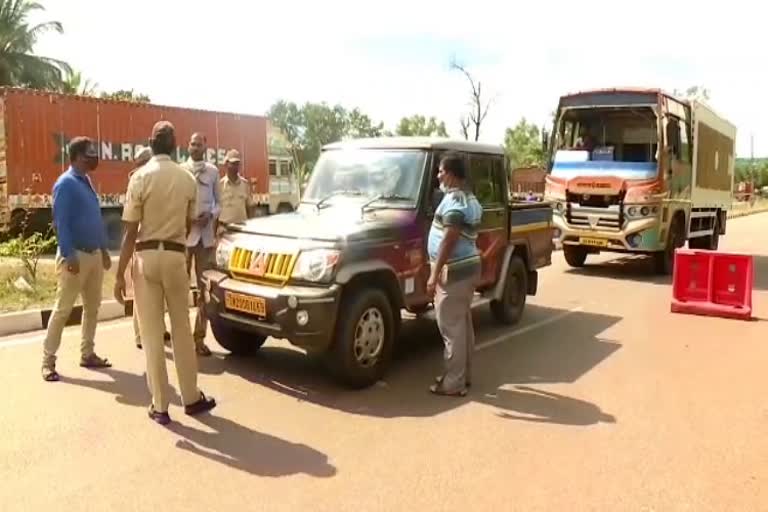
593 242
245 303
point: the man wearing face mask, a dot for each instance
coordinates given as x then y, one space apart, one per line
455 263
81 258
201 240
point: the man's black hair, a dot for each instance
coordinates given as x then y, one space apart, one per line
163 140
77 147
454 164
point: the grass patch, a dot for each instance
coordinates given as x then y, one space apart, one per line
44 294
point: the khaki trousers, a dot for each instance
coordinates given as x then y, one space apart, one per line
162 281
87 284
203 260
454 319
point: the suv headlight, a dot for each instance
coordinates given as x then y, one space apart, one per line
315 265
223 252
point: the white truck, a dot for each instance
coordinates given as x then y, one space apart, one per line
638 171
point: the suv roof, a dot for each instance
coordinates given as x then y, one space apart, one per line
417 143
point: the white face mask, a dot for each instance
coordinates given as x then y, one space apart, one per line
443 187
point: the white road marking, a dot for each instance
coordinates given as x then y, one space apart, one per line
527 328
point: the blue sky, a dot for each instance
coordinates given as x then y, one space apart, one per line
391 59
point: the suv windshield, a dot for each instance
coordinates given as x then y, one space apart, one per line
380 176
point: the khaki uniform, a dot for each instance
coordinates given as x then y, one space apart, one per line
130 293
236 201
161 197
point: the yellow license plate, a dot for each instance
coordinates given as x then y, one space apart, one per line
593 242
245 303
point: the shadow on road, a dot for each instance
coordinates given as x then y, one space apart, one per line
538 406
128 388
241 448
557 353
625 268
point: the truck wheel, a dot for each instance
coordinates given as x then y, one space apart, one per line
575 256
510 308
710 242
113 225
236 341
664 261
365 335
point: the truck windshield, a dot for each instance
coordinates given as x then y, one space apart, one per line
618 141
386 177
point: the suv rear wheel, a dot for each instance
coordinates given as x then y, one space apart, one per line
510 308
365 335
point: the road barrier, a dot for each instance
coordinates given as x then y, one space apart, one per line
713 284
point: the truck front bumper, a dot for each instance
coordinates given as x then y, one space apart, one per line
638 235
305 316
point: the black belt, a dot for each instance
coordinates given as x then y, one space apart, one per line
160 244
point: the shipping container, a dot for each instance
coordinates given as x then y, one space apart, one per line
36 126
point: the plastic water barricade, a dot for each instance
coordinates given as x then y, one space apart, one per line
713 284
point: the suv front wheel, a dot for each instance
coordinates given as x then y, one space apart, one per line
365 335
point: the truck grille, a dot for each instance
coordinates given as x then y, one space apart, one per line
594 221
265 267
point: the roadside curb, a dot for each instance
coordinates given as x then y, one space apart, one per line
20 322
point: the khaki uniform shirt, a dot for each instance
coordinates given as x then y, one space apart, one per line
235 200
161 197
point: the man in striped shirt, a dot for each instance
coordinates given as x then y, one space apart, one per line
455 269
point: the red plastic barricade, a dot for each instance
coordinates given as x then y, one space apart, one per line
713 284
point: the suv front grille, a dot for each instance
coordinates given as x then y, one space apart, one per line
265 267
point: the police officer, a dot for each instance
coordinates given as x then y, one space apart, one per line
160 206
236 201
140 158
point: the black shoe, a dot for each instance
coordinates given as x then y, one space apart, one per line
167 336
205 404
161 418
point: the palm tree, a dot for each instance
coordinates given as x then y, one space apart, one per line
74 83
18 64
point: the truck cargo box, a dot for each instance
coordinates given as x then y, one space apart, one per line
714 158
35 127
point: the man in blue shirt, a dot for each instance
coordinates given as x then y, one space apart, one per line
456 266
81 258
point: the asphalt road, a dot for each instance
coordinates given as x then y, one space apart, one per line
601 399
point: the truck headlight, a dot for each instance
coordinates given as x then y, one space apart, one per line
223 252
316 265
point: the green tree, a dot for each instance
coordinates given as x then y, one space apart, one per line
74 83
420 126
523 145
19 66
694 92
310 126
126 95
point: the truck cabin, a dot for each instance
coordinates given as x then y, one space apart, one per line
615 133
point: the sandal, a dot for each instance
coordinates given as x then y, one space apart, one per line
439 380
161 418
205 404
50 375
437 389
94 361
202 350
